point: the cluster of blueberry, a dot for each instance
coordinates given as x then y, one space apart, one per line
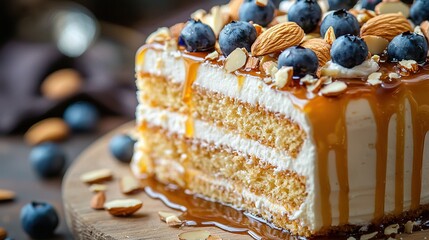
348 50
40 219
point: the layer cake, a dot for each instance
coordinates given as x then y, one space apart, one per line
312 151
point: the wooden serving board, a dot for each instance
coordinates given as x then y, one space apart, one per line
86 223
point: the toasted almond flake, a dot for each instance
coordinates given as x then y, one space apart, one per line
6 195
212 56
277 38
129 185
252 63
393 7
236 60
334 89
194 235
264 59
375 76
176 29
424 26
330 72
376 58
163 215
274 70
198 14
173 221
262 3
159 35
330 36
374 81
308 79
214 237
391 229
50 129
376 45
268 66
98 200
386 26
394 75
315 87
408 66
283 77
327 80
97 188
259 29
362 15
368 236
96 176
418 30
409 227
215 19
123 207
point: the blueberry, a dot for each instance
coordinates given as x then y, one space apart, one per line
349 51
198 37
48 159
343 23
419 11
236 35
39 220
370 4
122 147
81 116
249 11
408 46
306 13
341 4
303 60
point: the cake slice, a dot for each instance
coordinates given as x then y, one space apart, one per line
263 119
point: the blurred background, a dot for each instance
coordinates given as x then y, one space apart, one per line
54 54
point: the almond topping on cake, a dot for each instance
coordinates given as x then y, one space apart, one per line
386 26
334 89
236 60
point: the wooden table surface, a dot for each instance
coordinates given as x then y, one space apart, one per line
16 174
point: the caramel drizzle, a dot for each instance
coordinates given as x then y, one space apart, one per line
330 133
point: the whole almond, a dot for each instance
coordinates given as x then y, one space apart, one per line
320 47
6 195
278 38
61 84
130 185
123 207
96 176
386 26
50 129
98 200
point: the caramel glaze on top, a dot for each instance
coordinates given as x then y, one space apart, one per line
328 119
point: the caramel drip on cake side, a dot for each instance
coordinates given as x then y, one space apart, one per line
399 165
191 68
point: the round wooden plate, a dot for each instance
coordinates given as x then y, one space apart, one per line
86 223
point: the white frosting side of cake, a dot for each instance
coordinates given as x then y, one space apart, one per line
360 125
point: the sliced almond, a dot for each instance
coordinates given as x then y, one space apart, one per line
376 58
374 78
61 84
268 67
394 75
391 229
97 176
215 19
173 221
334 89
194 235
262 3
368 236
316 86
123 207
386 26
424 26
50 129
330 36
97 188
199 14
252 63
234 9
264 59
6 195
164 215
129 185
176 29
321 48
278 38
259 29
362 15
283 77
214 237
376 45
330 72
236 60
408 67
160 35
393 7
409 227
98 200
212 56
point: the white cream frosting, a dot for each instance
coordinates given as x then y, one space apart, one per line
362 70
360 124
